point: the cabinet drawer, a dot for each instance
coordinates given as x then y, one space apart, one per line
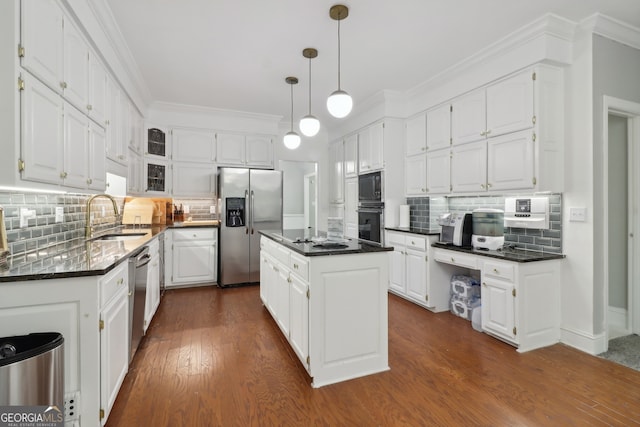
416 242
194 234
456 258
500 270
395 239
113 282
280 253
299 266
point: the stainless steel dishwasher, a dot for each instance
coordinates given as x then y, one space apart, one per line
137 297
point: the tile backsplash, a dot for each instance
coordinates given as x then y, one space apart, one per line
424 212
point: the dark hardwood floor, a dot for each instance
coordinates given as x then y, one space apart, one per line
215 357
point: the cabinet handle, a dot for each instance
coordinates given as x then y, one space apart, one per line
482 186
488 185
63 85
63 175
413 243
483 133
488 132
289 279
453 259
484 284
495 270
89 181
89 107
295 266
107 122
194 235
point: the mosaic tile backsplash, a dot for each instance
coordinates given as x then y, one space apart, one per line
424 212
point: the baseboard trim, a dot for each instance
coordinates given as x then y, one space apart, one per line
592 344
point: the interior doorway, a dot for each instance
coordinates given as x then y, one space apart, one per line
622 218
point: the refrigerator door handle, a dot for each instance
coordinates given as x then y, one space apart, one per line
251 212
246 204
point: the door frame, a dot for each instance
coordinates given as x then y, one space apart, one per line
308 183
630 110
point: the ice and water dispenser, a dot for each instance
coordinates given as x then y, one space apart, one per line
235 211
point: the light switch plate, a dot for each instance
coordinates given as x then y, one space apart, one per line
186 209
577 214
59 214
212 209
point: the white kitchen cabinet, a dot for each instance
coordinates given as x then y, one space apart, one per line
76 67
409 275
469 118
371 148
351 156
244 150
114 337
299 316
336 172
136 127
469 167
42 41
439 171
97 103
76 147
415 176
510 104
416 135
191 145
116 146
42 132
193 179
510 161
351 207
124 128
439 127
282 305
153 283
96 160
134 173
193 256
520 300
157 176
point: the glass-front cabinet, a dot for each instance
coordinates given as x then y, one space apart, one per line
157 175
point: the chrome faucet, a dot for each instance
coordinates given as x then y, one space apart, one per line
88 229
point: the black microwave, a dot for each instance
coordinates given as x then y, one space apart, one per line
370 188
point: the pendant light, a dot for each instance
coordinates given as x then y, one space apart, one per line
309 125
339 102
291 138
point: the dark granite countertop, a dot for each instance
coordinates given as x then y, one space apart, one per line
309 243
510 254
78 257
414 230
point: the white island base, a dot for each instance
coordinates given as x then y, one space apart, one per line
332 309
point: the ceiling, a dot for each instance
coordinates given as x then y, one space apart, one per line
235 55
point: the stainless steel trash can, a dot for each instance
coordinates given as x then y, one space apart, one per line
32 370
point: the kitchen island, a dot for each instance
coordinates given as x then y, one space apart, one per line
329 299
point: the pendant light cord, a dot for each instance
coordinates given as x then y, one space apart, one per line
309 86
291 106
339 53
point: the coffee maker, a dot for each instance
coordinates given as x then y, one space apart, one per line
456 228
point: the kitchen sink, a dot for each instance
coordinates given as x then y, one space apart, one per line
118 237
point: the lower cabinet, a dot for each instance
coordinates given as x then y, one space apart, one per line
153 283
114 337
409 271
520 300
191 256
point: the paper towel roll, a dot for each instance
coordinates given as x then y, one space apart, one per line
404 216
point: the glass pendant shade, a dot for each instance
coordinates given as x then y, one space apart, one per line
309 125
291 140
339 104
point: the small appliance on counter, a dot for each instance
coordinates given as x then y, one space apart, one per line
456 228
526 212
488 229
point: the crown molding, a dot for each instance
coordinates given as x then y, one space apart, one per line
219 112
612 29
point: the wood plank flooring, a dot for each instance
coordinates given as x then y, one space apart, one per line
215 357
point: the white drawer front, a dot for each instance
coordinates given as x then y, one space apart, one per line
395 239
113 282
416 242
194 234
502 270
280 253
299 266
456 258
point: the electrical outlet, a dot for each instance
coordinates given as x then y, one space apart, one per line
59 214
577 214
185 208
212 209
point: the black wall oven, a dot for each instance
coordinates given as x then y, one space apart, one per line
371 208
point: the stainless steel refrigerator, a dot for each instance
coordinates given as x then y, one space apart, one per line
250 201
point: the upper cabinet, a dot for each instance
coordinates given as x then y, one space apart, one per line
76 67
97 107
468 118
439 127
510 105
371 148
189 145
351 156
244 150
416 135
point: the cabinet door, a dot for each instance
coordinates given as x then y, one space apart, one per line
415 176
498 308
124 127
416 135
97 90
468 118
397 270
230 149
510 105
350 207
282 299
134 173
510 161
157 176
336 173
299 318
259 151
97 178
351 156
264 274
43 41
190 179
193 145
469 167
439 128
111 121
376 152
439 171
76 67
114 350
153 290
76 147
193 262
416 275
42 132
